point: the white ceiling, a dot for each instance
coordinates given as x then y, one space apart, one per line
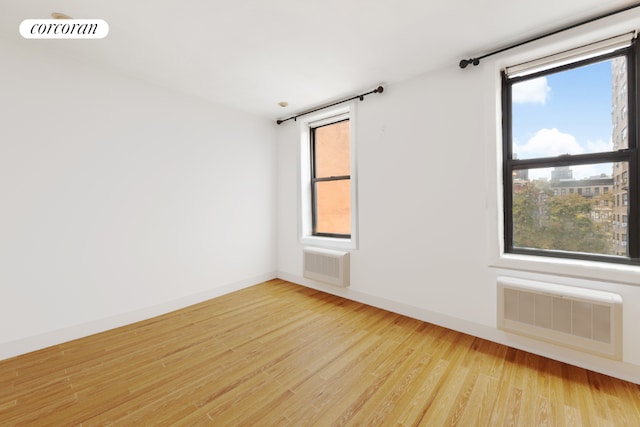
251 54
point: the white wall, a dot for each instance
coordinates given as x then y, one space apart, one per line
428 195
121 200
421 197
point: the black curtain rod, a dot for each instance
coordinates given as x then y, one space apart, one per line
379 89
475 61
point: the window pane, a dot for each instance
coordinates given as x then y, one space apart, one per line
547 215
332 150
577 111
333 207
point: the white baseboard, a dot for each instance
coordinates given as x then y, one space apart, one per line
622 370
37 342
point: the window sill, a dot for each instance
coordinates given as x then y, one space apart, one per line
329 242
607 272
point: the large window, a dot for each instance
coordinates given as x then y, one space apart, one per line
572 127
331 179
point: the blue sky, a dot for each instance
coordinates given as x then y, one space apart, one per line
564 113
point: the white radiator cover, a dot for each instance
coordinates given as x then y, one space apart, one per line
326 265
582 319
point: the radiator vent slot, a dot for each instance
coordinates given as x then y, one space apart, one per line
327 266
579 318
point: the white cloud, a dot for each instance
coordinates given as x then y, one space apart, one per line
552 142
549 143
533 91
599 146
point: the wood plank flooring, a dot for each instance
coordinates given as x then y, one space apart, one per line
278 354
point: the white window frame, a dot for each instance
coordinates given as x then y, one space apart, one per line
305 221
492 68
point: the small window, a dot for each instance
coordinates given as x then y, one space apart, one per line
330 179
548 139
328 186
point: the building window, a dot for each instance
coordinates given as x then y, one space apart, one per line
545 139
331 179
328 187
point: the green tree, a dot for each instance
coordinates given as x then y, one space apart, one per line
565 222
527 201
570 226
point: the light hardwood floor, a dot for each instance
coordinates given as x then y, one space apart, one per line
284 355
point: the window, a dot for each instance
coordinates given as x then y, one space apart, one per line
547 139
327 182
331 179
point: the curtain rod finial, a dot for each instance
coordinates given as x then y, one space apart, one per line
379 89
464 62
